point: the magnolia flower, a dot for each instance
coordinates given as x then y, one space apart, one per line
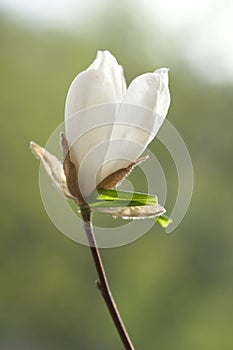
100 110
107 128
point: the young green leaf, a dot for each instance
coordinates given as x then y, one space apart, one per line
112 198
163 221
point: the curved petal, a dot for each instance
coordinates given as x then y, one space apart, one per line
102 82
164 99
107 63
138 120
151 91
88 133
90 113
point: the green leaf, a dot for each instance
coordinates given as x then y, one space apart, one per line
112 198
163 221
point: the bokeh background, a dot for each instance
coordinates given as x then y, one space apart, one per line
174 291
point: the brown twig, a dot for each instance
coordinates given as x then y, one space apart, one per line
102 283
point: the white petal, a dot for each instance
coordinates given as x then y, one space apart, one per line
108 64
164 99
144 90
88 135
130 134
138 120
151 90
102 82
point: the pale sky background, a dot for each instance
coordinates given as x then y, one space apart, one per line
202 29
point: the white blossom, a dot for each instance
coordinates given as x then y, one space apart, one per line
107 125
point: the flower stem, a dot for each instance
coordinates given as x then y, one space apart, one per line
102 282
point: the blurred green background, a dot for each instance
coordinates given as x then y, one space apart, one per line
174 292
